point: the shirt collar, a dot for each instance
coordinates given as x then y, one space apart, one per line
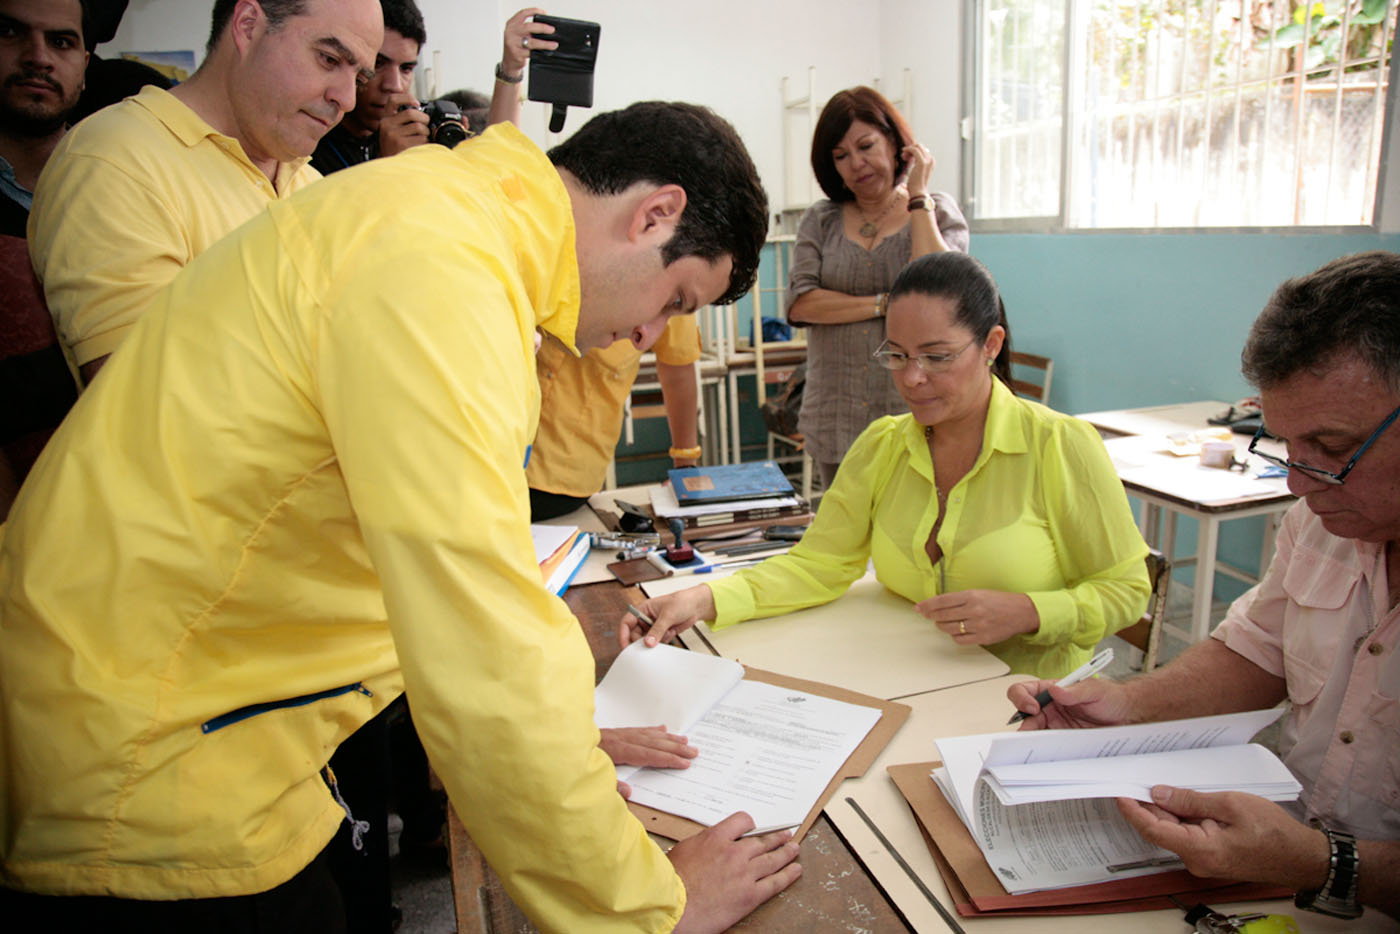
191 129
547 261
1004 430
12 188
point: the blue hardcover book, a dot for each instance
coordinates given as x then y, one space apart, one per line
697 485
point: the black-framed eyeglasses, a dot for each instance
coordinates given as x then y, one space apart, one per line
1317 473
930 363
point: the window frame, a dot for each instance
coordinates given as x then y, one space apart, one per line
974 12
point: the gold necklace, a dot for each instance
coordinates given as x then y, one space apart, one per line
869 229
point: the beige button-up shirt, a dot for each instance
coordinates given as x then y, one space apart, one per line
1321 620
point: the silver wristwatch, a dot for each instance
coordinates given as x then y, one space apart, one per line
1337 897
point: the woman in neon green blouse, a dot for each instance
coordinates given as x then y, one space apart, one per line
1000 519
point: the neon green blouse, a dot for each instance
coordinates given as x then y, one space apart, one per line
1041 512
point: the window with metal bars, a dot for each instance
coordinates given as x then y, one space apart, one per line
1177 113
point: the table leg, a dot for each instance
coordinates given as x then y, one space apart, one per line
733 379
1207 537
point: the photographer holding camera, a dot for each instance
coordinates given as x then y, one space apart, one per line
388 119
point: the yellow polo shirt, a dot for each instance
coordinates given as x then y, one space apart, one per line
299 487
581 406
1041 512
129 197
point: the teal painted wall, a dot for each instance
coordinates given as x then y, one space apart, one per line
1147 319
1135 319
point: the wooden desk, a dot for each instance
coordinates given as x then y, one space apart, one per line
1162 420
834 894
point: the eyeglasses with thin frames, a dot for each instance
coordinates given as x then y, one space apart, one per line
930 363
1317 473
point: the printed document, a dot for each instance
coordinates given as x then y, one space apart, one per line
1040 804
763 749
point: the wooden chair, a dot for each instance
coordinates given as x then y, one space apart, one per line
1040 391
1145 635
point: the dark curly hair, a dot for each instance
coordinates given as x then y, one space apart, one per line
1349 306
726 210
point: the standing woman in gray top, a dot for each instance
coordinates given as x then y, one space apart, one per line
849 249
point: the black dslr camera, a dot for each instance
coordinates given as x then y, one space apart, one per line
445 123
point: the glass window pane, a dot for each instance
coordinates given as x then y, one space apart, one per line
1020 109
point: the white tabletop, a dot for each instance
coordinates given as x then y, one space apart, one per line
868 640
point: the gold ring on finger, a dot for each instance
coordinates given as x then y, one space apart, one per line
962 627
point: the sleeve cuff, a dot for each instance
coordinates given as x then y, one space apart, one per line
733 602
1057 612
100 345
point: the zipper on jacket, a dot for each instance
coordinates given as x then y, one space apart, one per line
252 710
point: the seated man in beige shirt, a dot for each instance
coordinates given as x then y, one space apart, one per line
1322 629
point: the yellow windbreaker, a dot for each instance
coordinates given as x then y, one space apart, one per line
298 486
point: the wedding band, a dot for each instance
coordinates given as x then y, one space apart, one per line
962 627
524 42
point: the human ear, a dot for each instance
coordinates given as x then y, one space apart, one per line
995 338
246 24
657 214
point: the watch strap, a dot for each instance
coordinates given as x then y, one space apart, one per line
502 76
1337 897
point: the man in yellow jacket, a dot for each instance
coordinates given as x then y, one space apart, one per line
301 483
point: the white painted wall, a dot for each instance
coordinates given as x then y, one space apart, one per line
727 54
925 36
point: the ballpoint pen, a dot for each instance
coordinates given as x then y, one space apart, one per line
1087 670
726 565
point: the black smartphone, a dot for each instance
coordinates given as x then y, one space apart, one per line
564 76
784 533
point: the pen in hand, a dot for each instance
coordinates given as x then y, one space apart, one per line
643 617
1087 670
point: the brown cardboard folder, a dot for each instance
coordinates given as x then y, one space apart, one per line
976 891
892 717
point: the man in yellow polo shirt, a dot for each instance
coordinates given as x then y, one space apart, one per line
581 408
135 192
301 484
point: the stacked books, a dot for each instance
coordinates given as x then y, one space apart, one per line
704 497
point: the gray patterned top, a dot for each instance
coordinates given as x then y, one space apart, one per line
846 389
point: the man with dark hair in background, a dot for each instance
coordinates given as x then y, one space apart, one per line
41 75
387 118
328 503
137 191
42 58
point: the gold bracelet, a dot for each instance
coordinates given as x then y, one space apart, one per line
881 304
685 454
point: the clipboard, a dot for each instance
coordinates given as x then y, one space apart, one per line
892 717
976 891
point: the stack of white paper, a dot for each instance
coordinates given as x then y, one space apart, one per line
1040 803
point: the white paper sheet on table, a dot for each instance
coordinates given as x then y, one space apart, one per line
1139 459
764 749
